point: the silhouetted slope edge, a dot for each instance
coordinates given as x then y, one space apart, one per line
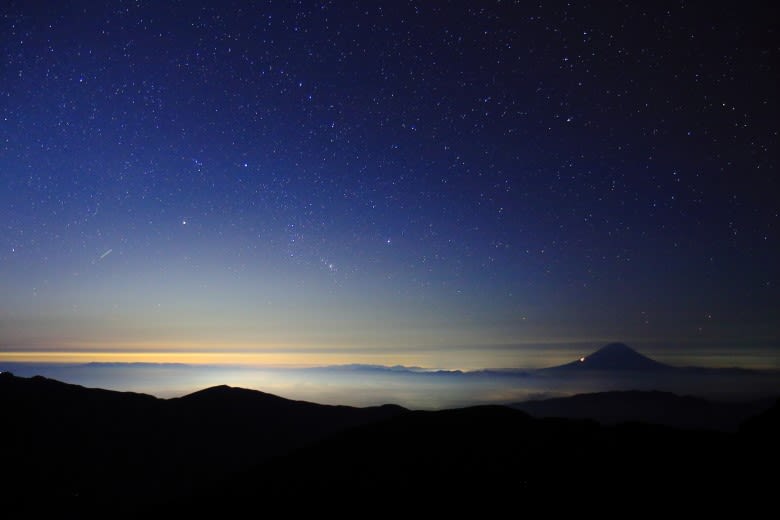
647 406
492 457
84 446
614 356
228 450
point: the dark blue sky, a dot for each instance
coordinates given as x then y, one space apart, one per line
422 183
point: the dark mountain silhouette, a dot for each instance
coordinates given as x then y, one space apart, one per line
650 407
765 424
493 457
89 445
228 450
613 357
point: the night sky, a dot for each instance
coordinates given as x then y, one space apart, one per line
456 185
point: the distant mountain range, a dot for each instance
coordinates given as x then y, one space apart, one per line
615 356
619 357
611 357
615 367
226 450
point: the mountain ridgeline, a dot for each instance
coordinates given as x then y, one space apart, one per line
83 445
615 356
224 450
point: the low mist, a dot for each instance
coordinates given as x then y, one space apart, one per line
417 389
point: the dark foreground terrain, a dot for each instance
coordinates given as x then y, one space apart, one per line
225 450
666 408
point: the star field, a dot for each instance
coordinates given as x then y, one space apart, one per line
388 178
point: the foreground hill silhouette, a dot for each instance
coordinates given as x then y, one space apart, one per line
89 446
652 407
493 457
227 450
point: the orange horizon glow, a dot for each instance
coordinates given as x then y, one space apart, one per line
249 359
427 358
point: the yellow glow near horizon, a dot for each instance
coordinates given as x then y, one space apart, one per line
302 355
248 359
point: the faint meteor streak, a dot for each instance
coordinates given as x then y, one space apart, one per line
105 254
